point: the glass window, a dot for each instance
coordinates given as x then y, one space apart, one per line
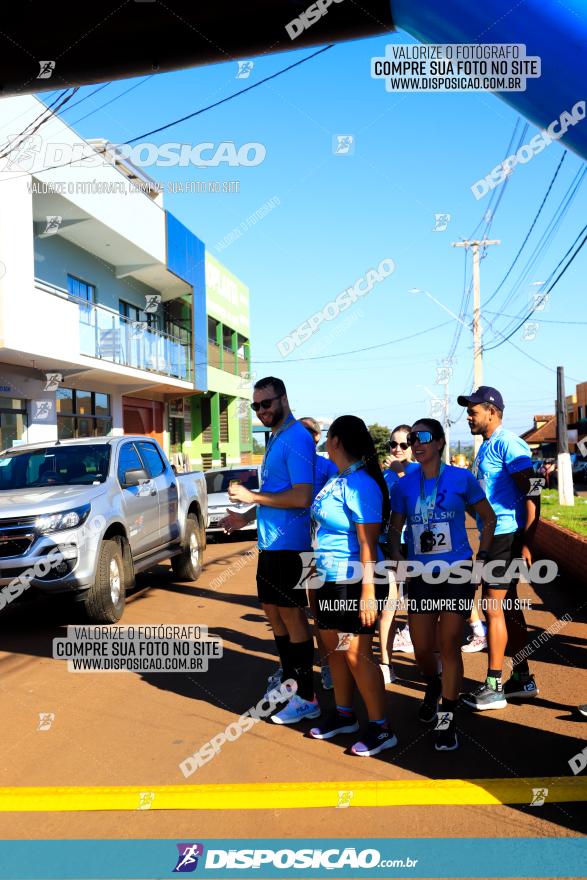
83 403
212 325
54 465
219 481
128 460
12 427
102 404
64 400
81 289
12 403
103 427
85 427
65 427
151 458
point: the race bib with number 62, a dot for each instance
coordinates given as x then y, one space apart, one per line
441 534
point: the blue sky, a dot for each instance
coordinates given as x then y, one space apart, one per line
338 216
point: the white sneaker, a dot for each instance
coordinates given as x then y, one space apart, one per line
296 710
402 642
388 673
474 643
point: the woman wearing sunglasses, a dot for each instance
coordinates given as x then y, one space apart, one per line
432 502
348 515
400 462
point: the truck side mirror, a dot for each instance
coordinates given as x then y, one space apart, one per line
135 476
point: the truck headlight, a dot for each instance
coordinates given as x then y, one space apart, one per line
66 519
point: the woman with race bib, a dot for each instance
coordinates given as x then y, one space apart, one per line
347 517
432 501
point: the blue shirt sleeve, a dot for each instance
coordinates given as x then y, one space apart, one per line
473 491
364 502
300 453
516 454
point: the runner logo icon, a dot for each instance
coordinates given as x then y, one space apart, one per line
188 855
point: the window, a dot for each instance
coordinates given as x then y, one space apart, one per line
55 465
218 481
151 457
224 419
579 413
13 421
128 460
82 414
206 411
82 291
212 329
226 338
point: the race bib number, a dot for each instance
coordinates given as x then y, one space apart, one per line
440 533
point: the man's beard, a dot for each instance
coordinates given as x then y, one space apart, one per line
276 416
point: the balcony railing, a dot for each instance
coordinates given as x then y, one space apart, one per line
106 335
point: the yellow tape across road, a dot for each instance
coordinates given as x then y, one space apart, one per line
293 795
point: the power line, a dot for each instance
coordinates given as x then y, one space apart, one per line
26 133
532 225
112 100
177 121
552 286
356 350
230 97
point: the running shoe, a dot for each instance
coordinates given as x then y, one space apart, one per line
485 697
296 710
446 733
429 705
334 724
274 679
375 739
326 676
388 673
474 643
521 684
402 642
583 710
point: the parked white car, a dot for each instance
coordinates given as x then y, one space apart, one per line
217 482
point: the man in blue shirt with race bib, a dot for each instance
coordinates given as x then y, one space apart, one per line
503 466
283 527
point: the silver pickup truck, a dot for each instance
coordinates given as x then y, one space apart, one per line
85 516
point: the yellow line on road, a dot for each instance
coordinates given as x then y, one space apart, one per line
293 795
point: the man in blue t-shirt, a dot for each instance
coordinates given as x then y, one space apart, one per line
283 528
503 466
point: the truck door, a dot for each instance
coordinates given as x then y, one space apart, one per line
141 504
167 490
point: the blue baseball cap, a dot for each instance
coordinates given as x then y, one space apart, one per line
483 394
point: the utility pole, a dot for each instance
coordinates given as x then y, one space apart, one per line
477 347
564 468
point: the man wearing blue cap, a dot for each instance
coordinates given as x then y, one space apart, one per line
503 466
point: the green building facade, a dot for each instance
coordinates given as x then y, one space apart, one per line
219 421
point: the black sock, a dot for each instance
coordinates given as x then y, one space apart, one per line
284 651
435 682
449 705
302 658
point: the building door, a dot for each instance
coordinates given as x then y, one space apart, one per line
143 417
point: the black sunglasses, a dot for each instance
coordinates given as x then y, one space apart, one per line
420 437
265 403
394 443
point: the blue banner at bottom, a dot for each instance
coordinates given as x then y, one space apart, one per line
382 858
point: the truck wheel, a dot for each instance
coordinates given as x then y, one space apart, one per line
104 601
187 565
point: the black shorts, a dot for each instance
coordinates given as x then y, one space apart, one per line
339 606
432 598
279 572
504 548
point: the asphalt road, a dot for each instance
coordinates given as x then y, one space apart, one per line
131 729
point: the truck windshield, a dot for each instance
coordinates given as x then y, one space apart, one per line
54 466
218 481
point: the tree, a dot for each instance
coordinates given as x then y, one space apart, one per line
380 436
